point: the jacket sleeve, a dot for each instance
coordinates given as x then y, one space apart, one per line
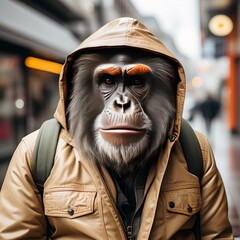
21 211
214 212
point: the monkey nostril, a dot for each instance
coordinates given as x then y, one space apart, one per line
123 103
126 106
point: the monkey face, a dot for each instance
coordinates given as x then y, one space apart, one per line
122 107
123 121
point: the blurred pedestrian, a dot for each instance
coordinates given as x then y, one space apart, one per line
209 109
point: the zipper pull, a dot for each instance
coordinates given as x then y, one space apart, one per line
130 233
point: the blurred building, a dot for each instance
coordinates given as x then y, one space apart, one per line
220 28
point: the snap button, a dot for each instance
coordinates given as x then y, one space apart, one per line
171 204
70 211
190 209
172 138
69 59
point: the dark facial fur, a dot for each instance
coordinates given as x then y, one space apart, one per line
88 107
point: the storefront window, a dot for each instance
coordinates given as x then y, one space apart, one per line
12 103
43 97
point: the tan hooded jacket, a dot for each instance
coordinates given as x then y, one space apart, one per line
76 184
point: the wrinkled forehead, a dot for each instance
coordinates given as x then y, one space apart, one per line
122 58
126 59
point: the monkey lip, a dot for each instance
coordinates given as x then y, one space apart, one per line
122 135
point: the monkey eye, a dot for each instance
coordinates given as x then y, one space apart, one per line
137 81
106 79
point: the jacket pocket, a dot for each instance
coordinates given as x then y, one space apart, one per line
68 203
183 201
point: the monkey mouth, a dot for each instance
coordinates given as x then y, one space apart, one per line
122 135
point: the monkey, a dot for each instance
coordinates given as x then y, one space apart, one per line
122 106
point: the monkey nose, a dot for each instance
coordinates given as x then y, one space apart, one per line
122 103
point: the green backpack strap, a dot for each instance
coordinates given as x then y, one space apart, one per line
191 149
44 152
193 155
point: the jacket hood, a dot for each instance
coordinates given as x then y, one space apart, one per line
122 32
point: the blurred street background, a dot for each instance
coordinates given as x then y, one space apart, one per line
36 36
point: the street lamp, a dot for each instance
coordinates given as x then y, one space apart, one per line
220 25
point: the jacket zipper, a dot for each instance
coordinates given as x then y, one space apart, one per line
130 232
113 204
